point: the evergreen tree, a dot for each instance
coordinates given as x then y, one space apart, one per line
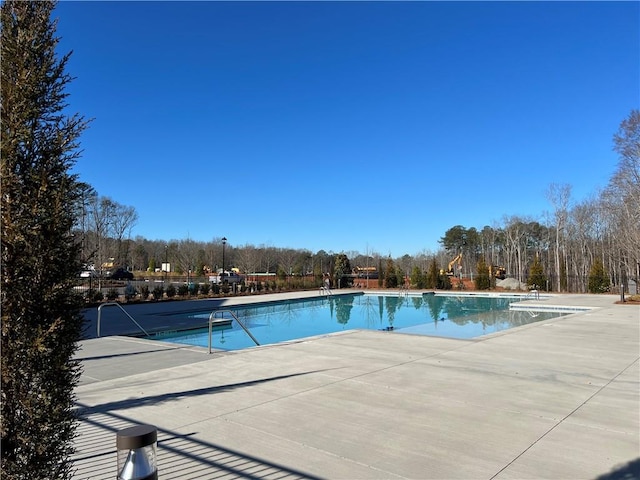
444 282
390 275
41 320
598 278
483 279
432 275
417 277
537 278
341 270
400 276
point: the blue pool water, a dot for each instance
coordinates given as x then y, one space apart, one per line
447 316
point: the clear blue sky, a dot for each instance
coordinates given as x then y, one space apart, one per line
346 125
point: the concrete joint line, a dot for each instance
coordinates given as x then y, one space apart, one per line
564 418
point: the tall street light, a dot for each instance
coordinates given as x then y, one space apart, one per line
166 262
224 242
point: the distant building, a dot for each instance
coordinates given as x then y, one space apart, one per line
366 272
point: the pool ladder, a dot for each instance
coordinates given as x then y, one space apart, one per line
325 291
212 319
109 304
535 294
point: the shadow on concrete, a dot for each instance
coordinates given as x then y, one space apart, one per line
630 471
127 354
179 455
166 397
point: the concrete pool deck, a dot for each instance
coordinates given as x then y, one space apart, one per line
558 399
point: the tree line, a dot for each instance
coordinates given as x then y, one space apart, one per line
599 233
598 236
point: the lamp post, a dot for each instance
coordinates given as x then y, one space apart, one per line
224 242
137 452
166 262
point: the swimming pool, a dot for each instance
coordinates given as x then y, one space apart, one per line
450 316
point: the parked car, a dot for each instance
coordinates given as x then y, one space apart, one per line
122 274
88 270
226 277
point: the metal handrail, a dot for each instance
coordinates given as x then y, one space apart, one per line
212 318
325 289
108 304
533 293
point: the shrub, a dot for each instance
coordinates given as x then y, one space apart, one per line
205 288
144 292
130 292
183 290
112 294
158 291
94 296
171 291
194 288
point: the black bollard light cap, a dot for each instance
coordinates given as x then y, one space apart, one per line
136 437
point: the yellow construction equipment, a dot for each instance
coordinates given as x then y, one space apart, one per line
450 270
498 272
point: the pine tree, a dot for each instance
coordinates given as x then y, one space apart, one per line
41 320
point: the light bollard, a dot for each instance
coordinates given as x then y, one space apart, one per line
137 453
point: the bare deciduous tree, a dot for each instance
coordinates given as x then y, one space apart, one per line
559 195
